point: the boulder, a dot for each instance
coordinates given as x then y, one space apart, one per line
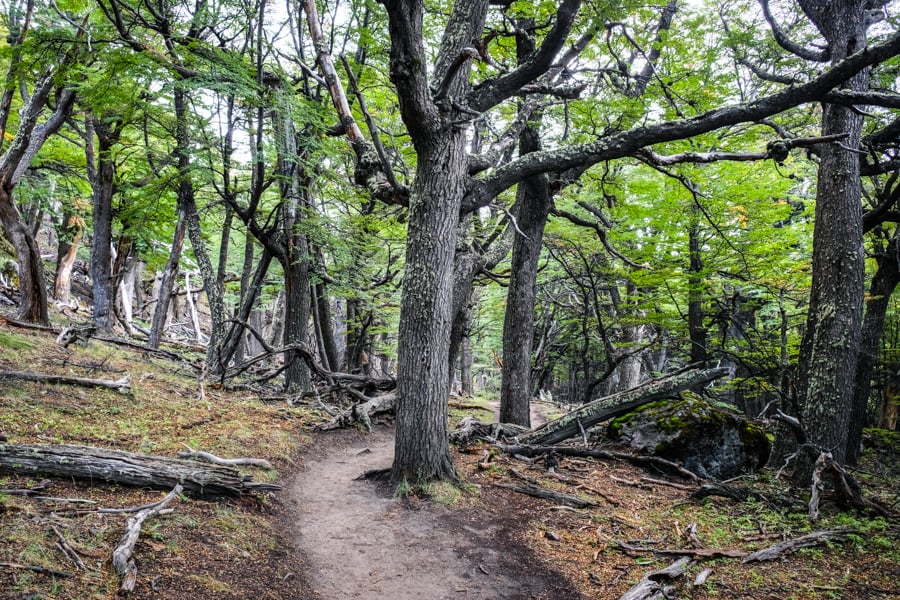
708 440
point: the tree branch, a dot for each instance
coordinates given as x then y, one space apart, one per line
788 44
481 192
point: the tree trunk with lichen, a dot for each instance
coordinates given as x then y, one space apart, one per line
830 345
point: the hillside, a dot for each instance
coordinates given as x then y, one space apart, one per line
260 545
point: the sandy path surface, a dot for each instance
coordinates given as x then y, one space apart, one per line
361 542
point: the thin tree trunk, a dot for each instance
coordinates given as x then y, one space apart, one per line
102 173
167 282
884 282
518 324
69 240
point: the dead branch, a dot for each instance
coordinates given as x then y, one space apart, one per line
121 556
670 484
651 585
212 458
804 541
692 552
141 347
470 428
67 549
43 486
845 488
24 325
36 569
644 461
122 385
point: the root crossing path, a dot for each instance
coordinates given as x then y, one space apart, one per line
361 542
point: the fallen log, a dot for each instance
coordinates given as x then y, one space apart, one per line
619 404
652 585
157 472
122 385
121 556
539 492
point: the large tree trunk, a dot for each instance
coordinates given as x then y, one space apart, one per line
422 450
884 282
830 346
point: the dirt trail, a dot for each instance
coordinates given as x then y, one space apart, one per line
363 543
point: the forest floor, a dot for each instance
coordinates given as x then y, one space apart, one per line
328 535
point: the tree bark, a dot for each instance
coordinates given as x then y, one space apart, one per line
422 450
69 239
535 200
101 173
167 283
33 308
830 346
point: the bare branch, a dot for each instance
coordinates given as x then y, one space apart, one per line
788 44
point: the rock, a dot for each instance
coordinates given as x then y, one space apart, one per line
707 440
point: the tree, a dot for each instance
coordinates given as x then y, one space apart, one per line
31 133
830 348
435 114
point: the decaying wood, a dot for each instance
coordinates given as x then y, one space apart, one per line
846 489
469 428
619 404
361 413
24 325
35 568
121 556
232 462
70 335
655 461
652 585
122 385
540 492
702 576
804 541
158 472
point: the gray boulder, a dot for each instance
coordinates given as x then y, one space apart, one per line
707 440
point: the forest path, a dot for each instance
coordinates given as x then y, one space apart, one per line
361 542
